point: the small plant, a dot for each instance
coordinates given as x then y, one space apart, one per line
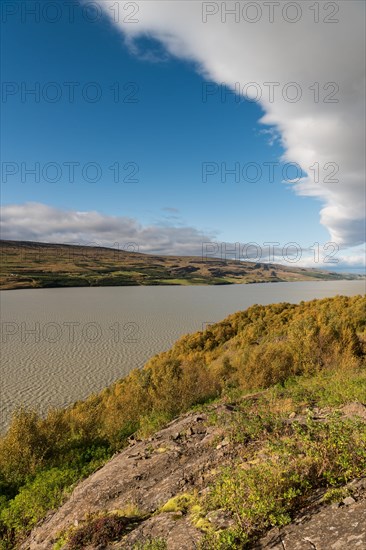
198 518
151 423
179 503
130 510
100 531
223 540
335 495
60 543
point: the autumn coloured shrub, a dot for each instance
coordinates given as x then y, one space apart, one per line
100 531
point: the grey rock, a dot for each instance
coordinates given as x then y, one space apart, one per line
327 528
224 443
355 409
220 519
348 501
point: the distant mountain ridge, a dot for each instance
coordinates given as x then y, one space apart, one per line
28 264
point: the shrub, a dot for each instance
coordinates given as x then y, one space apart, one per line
35 498
99 531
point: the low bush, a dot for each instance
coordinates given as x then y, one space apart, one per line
100 531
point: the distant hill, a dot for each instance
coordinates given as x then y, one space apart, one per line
26 264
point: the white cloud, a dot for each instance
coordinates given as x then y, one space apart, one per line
42 223
304 52
330 259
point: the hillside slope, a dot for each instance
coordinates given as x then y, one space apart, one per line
161 485
42 265
256 419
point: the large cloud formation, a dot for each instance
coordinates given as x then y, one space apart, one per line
322 125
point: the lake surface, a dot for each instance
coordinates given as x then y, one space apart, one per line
61 345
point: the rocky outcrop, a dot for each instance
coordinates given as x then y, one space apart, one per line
178 459
339 526
181 459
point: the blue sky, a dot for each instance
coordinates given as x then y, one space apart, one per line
166 130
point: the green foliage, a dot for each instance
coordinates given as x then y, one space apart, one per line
35 498
329 388
335 495
228 539
179 503
60 543
151 423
